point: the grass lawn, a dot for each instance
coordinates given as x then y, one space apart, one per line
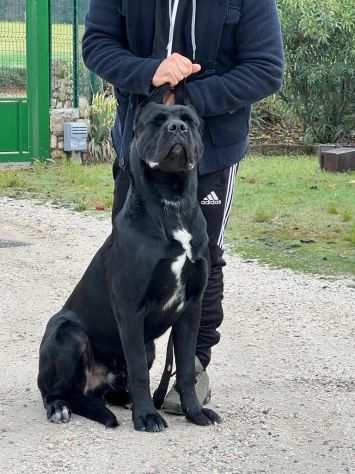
289 213
13 43
286 212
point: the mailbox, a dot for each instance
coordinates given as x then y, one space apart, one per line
75 136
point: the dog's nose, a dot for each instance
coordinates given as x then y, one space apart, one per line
177 126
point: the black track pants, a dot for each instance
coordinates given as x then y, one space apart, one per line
215 193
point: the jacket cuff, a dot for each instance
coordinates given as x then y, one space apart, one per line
146 74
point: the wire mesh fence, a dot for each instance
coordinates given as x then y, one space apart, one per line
12 48
70 80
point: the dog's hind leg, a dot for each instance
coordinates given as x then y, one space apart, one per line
93 408
60 366
58 411
64 358
118 394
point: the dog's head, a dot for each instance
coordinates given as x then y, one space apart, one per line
167 137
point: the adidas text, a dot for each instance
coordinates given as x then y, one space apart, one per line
211 200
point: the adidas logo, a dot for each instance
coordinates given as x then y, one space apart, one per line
211 200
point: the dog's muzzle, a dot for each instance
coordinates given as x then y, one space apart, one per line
179 157
177 160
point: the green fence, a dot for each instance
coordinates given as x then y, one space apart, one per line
40 68
24 80
69 77
12 49
70 80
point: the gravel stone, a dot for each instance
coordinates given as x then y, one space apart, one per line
283 375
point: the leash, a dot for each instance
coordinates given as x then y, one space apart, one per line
161 391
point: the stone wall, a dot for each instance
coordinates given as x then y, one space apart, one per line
62 109
59 116
62 93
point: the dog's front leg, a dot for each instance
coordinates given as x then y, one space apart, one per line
145 416
185 332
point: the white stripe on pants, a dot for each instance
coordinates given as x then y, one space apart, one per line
228 203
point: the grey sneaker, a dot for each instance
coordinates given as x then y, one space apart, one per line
172 400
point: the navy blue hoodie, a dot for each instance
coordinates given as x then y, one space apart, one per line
238 44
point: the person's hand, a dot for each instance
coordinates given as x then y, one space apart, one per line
173 70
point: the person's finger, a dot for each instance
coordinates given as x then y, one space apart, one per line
174 69
196 68
178 74
188 64
173 78
185 61
183 69
158 81
179 57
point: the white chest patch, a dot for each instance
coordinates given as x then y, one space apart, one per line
184 237
152 164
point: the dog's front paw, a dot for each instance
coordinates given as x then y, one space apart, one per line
204 417
152 422
58 412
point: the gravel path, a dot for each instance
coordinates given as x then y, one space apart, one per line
283 375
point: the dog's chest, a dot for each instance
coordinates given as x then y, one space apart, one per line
177 278
178 295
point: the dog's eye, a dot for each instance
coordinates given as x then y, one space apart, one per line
160 118
186 118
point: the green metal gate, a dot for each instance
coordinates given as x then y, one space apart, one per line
24 80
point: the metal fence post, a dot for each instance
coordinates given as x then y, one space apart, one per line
50 46
76 71
38 67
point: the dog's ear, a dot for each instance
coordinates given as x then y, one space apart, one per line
156 96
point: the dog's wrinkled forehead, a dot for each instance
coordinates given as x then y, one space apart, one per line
159 113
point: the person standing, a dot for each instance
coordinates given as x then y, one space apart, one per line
230 55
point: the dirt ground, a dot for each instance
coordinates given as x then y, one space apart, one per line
283 375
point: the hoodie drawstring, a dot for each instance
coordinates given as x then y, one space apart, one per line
172 16
193 30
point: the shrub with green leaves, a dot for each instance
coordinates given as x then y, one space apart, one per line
320 77
102 117
15 77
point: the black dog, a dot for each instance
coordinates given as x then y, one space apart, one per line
149 275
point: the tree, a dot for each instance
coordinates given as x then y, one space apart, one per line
320 75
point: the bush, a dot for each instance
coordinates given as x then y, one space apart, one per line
270 111
13 78
102 117
320 76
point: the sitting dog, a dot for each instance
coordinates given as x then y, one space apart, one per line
148 276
